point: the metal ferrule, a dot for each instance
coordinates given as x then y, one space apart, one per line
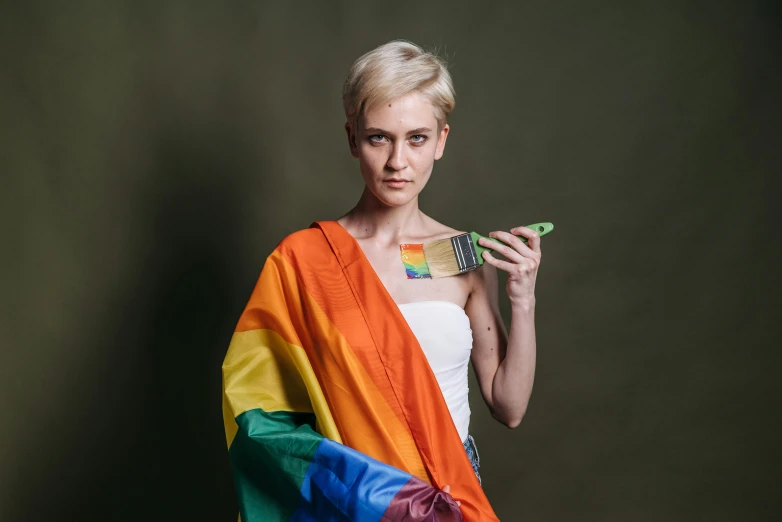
464 249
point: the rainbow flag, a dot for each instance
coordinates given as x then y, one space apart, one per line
331 410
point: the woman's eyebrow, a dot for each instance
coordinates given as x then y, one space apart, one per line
376 130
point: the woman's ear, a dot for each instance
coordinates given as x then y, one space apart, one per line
351 139
438 153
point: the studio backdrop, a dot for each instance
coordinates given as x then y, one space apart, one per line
154 153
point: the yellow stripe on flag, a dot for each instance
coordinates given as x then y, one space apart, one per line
265 371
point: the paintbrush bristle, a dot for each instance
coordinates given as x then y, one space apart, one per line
441 258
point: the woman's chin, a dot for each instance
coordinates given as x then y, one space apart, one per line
396 199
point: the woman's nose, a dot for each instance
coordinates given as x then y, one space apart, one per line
397 160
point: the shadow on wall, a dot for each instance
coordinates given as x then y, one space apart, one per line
151 445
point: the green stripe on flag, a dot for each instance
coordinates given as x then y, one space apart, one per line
269 459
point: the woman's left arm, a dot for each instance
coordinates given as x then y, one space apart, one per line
505 363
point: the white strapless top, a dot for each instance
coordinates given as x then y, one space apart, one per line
443 331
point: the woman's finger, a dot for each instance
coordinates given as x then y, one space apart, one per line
502 265
517 244
509 253
533 238
447 489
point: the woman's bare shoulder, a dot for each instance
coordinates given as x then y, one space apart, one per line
467 281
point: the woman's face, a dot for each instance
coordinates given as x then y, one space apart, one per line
396 144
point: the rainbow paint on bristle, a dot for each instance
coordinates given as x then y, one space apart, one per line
415 261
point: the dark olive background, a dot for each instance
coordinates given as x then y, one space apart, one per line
154 153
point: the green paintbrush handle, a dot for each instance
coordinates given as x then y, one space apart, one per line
541 228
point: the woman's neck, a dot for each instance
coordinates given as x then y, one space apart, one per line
370 218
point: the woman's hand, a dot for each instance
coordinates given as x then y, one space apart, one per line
447 489
521 264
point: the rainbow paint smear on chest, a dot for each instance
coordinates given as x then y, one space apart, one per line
415 261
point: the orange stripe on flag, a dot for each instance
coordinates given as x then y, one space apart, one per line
322 320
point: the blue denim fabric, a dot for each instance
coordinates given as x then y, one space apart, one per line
472 453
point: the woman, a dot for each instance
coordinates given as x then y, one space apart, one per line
346 382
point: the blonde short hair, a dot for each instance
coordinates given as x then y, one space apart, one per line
393 70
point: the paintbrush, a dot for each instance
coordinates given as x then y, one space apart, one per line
452 256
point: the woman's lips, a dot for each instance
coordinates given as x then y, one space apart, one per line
396 183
